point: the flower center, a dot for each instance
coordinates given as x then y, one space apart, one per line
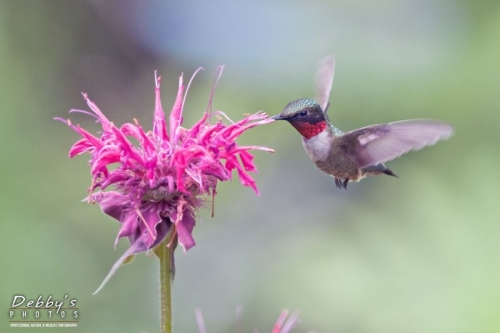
159 193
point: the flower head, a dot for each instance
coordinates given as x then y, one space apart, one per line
160 176
285 323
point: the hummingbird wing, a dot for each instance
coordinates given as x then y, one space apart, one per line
324 81
381 143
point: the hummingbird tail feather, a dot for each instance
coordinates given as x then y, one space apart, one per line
389 173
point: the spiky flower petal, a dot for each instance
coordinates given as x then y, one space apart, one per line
285 323
160 176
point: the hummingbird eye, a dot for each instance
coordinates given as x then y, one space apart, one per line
303 114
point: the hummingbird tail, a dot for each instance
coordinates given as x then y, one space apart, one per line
389 173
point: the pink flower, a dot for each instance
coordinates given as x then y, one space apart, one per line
285 323
160 176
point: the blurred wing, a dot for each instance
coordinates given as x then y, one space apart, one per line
381 143
324 80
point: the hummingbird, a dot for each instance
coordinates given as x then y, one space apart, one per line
352 156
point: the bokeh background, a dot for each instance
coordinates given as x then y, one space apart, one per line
414 254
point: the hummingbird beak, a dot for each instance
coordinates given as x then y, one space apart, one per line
277 117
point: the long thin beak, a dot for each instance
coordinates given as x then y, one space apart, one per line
277 117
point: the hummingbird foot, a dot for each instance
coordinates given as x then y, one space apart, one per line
341 184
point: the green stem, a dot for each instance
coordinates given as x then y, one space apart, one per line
166 256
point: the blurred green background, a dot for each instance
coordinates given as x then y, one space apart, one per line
414 254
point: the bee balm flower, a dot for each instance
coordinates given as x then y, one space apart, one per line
159 176
285 323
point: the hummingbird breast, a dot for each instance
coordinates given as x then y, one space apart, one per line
319 146
326 151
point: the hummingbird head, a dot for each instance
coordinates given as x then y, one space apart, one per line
305 115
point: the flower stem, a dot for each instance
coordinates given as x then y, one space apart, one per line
166 255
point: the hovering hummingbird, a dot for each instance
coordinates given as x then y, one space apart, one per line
351 156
